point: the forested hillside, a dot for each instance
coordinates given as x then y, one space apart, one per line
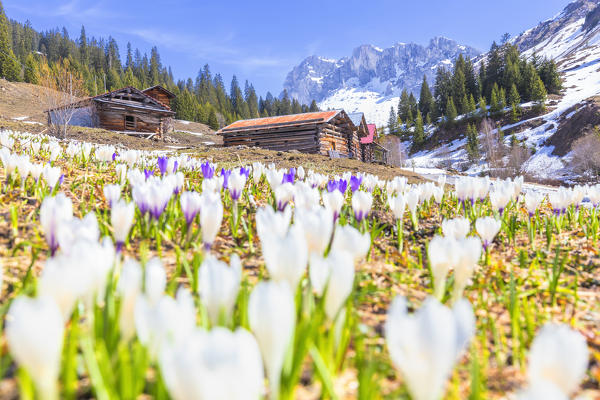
498 84
27 54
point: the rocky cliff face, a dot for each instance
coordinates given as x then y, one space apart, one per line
371 69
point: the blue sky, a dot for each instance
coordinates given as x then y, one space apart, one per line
262 40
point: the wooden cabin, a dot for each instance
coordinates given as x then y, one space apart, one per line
325 132
361 130
161 94
372 151
126 110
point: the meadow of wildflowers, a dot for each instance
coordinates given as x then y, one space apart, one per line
127 273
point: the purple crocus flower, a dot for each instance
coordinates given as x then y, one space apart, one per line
245 171
355 182
148 173
114 156
162 164
342 185
208 171
225 174
332 185
61 179
175 165
289 177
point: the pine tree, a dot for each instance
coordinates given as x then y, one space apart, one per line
450 110
514 113
404 105
419 132
313 106
459 91
9 66
548 72
494 101
426 103
472 105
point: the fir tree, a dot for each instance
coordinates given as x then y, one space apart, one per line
514 113
213 122
9 66
482 107
494 99
419 131
514 99
472 142
538 93
450 110
426 103
472 105
31 73
313 106
392 122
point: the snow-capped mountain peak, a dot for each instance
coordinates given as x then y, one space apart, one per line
371 76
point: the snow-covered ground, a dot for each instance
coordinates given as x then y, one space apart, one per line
375 106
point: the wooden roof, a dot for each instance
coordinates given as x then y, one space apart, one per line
128 97
282 120
162 89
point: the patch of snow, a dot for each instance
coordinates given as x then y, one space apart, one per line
20 118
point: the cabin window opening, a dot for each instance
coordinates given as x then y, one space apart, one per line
129 122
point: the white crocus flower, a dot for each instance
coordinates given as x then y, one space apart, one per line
317 224
121 170
211 216
34 332
121 219
500 198
349 239
129 288
219 285
558 357
458 228
333 201
112 193
202 366
284 193
469 252
51 175
442 252
155 280
425 346
271 313
397 204
269 221
412 200
286 257
533 201
77 229
487 228
336 272
361 204
54 212
300 173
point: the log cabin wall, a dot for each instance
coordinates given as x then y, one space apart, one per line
160 95
116 117
285 138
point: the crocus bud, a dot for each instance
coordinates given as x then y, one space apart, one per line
469 251
211 215
190 205
286 257
219 285
121 219
112 193
269 221
283 195
333 201
317 224
34 331
487 228
532 202
53 212
397 205
425 346
202 366
271 313
442 252
129 288
51 176
349 239
458 228
336 272
155 280
77 229
361 204
237 181
558 357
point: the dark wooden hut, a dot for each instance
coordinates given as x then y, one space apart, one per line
324 132
126 110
